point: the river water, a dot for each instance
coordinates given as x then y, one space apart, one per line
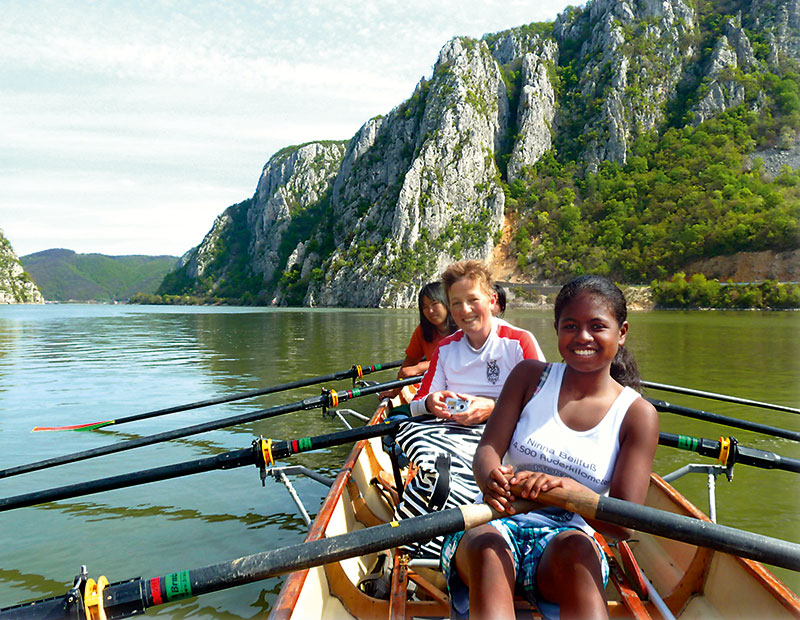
69 364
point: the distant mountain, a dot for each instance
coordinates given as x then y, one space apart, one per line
64 275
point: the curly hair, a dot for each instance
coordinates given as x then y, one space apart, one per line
474 270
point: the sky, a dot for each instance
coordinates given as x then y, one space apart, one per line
126 127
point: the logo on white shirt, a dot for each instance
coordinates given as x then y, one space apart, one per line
492 371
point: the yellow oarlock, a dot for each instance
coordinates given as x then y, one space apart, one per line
266 451
724 450
93 599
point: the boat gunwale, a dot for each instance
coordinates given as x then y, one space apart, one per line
293 586
769 582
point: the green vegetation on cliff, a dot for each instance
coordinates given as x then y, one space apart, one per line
683 194
700 292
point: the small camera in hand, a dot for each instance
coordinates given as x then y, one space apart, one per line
456 405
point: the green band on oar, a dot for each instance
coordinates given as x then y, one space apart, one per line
699 414
262 453
261 414
738 454
134 596
355 372
723 397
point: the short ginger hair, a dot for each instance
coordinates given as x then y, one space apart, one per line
472 269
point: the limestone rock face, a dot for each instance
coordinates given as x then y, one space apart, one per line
630 62
16 286
289 184
410 180
247 241
366 222
536 109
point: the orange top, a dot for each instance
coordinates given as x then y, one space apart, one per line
418 347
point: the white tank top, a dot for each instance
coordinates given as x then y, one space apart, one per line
542 442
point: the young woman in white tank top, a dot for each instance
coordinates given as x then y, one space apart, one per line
569 425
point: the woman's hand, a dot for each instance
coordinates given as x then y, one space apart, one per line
497 490
435 403
479 410
528 484
414 370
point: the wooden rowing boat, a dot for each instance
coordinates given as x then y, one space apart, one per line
687 581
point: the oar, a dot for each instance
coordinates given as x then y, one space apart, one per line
263 453
329 398
734 453
356 372
699 414
713 395
134 596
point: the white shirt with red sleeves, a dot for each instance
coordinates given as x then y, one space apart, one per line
458 367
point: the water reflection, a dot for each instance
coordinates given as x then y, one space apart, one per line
72 364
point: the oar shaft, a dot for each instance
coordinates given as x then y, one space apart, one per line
253 416
352 372
676 527
121 446
133 597
700 533
699 414
723 397
228 460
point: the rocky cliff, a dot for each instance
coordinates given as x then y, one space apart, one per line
16 286
366 222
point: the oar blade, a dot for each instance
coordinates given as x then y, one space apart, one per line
91 426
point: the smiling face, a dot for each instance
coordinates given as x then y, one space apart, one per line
471 308
434 311
588 333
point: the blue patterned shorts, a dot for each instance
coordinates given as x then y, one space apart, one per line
527 544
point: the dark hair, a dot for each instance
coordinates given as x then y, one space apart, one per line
623 368
435 292
501 299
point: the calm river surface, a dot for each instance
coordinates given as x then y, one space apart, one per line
67 364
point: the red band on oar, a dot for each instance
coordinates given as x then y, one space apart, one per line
155 590
74 427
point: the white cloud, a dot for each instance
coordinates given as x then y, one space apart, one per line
170 109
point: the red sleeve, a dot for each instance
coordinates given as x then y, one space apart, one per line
527 342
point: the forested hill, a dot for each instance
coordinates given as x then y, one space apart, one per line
619 139
63 275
